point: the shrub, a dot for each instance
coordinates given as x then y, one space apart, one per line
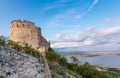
1 76
52 55
2 40
63 61
8 73
26 49
14 45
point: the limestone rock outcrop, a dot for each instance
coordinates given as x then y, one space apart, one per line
15 64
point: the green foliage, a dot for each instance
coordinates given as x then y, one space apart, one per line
14 45
86 70
2 40
75 60
58 65
52 56
114 71
1 76
8 73
26 49
63 61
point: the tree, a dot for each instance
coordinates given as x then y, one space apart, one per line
63 61
75 60
52 55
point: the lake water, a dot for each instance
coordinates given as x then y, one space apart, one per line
112 61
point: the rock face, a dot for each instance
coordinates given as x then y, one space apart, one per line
26 32
18 65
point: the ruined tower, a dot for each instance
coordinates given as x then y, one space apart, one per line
26 32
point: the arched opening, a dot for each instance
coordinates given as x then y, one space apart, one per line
17 25
28 25
23 25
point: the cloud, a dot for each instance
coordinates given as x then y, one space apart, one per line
90 39
72 12
92 5
67 20
57 4
88 10
110 22
107 20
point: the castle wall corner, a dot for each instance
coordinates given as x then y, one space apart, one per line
27 32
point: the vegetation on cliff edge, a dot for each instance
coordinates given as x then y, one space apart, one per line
60 67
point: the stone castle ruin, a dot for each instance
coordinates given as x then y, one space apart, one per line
26 32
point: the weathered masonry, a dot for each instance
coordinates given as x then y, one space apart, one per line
26 32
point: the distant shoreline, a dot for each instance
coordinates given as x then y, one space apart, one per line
90 54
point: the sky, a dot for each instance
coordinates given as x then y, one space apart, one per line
84 25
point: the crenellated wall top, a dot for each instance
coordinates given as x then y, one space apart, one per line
20 21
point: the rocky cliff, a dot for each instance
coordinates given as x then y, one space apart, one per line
15 64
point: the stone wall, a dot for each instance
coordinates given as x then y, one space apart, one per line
26 32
